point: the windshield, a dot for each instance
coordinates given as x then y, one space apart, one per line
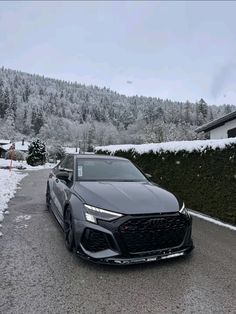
107 170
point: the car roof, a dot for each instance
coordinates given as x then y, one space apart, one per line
95 156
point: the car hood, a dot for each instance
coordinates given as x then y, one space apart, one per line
127 197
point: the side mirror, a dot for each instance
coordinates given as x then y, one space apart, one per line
149 176
63 175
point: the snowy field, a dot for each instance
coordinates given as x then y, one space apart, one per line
175 146
9 181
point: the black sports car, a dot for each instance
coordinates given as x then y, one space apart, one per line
112 213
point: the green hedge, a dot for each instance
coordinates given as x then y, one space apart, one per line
205 180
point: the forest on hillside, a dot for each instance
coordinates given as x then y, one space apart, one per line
70 113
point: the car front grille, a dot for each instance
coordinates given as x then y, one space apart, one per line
94 241
153 233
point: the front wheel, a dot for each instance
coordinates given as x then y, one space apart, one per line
69 229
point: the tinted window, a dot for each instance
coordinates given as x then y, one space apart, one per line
107 170
232 133
67 163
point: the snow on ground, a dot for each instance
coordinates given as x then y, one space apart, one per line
175 146
24 165
9 181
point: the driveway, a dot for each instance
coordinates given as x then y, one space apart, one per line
38 274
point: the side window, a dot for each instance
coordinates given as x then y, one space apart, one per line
69 163
232 133
63 163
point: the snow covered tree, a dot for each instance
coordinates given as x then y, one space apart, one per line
36 153
37 121
13 103
202 111
26 93
6 99
2 105
56 152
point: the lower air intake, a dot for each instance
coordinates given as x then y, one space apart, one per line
94 241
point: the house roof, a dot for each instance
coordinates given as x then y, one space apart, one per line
18 146
216 123
3 142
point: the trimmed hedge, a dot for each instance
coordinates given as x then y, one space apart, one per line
205 180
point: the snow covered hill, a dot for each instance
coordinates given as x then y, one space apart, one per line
79 115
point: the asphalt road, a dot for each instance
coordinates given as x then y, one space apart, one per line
38 274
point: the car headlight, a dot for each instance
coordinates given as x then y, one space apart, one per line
183 210
93 213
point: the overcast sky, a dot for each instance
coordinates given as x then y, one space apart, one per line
175 50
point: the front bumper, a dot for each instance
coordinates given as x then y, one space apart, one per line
117 252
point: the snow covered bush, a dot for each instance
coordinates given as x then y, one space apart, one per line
15 155
36 153
56 152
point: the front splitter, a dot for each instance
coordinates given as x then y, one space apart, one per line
139 260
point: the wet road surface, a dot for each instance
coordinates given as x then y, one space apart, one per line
38 274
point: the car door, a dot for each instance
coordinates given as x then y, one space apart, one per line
54 186
61 187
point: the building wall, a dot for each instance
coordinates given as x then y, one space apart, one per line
221 132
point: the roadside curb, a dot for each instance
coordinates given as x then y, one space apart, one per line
212 220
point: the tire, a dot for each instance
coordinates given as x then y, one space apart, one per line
69 229
48 198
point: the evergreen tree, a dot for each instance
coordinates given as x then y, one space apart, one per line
91 136
26 128
37 121
187 111
36 153
26 93
202 108
6 101
2 103
227 109
13 103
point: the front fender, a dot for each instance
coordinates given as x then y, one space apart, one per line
76 206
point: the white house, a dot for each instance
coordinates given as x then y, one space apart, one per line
71 150
21 146
223 127
4 142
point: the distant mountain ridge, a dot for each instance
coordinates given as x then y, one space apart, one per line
56 110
